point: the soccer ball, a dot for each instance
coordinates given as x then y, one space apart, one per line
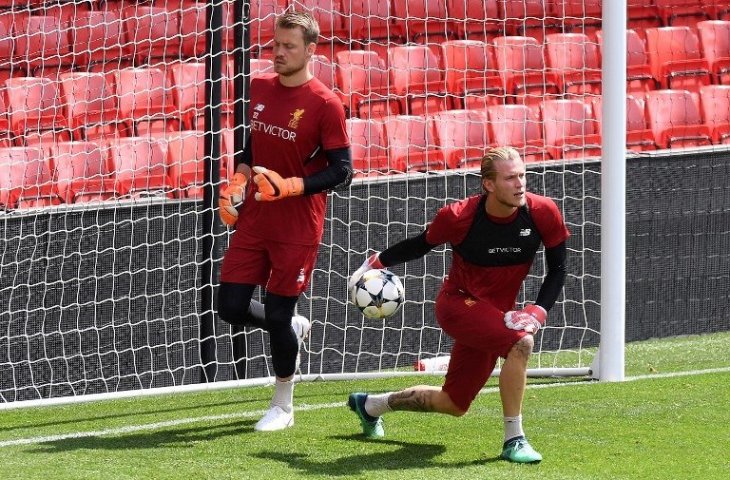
378 294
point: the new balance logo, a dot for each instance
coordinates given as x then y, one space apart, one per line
259 107
525 232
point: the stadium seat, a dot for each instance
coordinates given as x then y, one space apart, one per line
368 147
521 63
36 111
91 107
146 101
192 28
416 78
369 26
327 14
571 131
364 85
475 19
472 78
676 59
715 40
642 14
684 12
185 156
42 45
25 179
639 136
188 79
81 172
530 18
97 37
322 68
675 119
579 16
575 60
6 133
639 77
462 136
8 67
721 9
139 167
411 144
715 100
423 21
152 34
520 127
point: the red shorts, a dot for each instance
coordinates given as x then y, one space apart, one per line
282 268
480 339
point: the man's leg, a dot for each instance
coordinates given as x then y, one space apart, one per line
512 382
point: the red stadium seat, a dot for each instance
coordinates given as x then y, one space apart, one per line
575 60
639 136
530 18
411 144
642 14
192 28
97 37
25 179
152 33
185 157
639 78
721 9
676 59
42 45
518 126
423 21
475 19
188 80
146 101
8 67
331 26
322 68
716 111
91 107
415 76
472 78
36 110
684 12
6 133
368 147
364 85
82 173
368 24
715 39
462 136
674 117
571 131
139 167
521 63
579 16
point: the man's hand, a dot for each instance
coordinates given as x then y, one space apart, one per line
530 319
373 261
272 187
231 198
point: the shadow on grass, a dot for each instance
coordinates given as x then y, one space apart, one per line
406 456
173 438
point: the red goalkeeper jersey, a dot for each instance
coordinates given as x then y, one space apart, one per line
287 126
492 256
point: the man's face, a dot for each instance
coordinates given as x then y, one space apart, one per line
509 186
291 55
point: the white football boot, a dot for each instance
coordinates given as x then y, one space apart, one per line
275 419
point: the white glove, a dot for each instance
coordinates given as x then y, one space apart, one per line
530 319
372 262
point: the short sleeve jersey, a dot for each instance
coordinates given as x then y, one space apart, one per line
287 125
492 256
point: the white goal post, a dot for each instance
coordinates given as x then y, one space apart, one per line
108 257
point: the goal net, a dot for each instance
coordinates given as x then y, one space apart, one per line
110 252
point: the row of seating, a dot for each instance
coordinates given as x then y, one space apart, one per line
561 129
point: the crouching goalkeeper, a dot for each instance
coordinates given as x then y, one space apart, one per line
495 237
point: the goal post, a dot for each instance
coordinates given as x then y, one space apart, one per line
121 122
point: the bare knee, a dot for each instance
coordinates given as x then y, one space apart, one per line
450 408
522 348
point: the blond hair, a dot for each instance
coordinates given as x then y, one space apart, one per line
309 26
500 153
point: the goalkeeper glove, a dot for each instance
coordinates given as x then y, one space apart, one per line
231 198
529 319
272 187
373 261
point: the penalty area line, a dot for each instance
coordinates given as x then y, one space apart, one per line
299 408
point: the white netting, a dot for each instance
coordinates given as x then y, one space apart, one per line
102 150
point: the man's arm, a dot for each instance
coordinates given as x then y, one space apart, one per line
337 174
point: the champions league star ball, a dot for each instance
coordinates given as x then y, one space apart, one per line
378 294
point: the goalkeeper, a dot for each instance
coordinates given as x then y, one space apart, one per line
495 237
297 149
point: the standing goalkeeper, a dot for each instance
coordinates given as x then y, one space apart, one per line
495 237
298 149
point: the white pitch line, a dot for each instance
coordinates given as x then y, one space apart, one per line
300 408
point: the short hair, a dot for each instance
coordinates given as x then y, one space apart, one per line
500 153
309 26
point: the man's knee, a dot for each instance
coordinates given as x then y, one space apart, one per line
523 347
233 304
